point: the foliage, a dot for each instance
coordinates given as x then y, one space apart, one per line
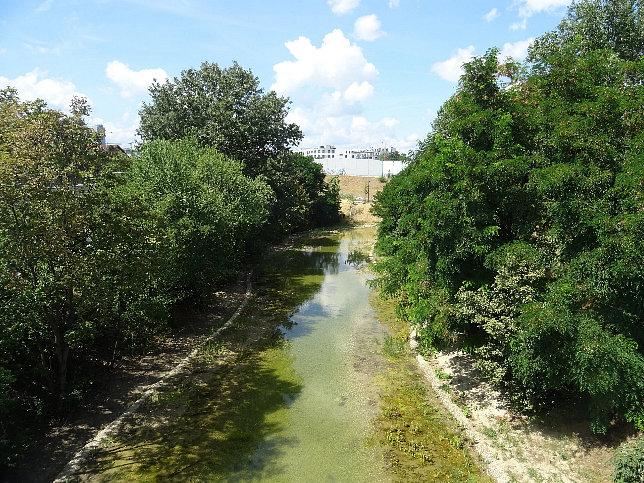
75 266
629 462
520 225
227 110
302 198
209 211
612 25
96 247
223 108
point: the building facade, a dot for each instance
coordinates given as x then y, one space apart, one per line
355 162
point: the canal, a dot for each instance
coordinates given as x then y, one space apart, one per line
306 385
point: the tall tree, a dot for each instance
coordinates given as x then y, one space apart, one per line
72 257
521 224
614 25
223 108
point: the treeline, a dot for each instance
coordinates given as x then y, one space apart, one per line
517 233
96 248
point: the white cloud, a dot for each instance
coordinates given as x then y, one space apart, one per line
517 50
520 25
336 64
452 68
527 8
492 14
36 85
122 132
131 82
367 28
394 3
343 6
347 131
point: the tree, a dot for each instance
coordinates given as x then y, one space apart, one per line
222 108
210 213
75 262
519 227
614 25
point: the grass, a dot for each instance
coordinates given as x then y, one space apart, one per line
420 441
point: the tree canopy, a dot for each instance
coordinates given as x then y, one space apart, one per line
222 108
614 25
519 227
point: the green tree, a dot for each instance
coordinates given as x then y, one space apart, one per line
209 211
519 226
614 25
76 269
222 108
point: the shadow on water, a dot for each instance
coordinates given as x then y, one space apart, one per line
290 278
212 426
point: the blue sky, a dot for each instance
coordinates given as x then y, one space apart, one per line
359 73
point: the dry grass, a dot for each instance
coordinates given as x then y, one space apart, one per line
353 190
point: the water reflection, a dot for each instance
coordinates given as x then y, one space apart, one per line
357 258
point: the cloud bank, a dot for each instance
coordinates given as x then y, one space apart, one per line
36 85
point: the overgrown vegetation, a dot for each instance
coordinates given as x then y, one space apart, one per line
519 225
629 462
96 248
420 441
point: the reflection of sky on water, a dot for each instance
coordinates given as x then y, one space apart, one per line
329 420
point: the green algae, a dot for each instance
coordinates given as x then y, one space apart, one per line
420 440
298 389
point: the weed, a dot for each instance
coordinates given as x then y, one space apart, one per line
394 348
442 376
534 474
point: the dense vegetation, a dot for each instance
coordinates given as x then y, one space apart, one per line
518 229
96 248
226 109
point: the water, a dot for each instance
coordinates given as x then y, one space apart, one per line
331 344
293 400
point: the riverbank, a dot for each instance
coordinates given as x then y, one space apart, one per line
557 447
228 405
237 385
123 384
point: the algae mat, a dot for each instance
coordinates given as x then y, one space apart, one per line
291 392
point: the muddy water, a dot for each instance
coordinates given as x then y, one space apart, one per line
333 345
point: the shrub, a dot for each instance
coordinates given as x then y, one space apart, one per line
629 462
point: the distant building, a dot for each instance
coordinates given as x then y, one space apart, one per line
356 162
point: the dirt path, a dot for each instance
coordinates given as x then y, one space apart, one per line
81 455
516 449
127 382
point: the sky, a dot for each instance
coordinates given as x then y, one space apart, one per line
358 73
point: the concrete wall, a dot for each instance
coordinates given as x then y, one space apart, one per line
361 167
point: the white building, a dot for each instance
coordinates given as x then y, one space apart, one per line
356 162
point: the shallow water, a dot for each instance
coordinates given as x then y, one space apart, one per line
321 432
295 401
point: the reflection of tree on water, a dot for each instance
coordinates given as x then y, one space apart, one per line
357 258
321 263
292 277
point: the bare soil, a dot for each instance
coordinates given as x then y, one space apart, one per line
516 448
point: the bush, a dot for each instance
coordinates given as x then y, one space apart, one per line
629 462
